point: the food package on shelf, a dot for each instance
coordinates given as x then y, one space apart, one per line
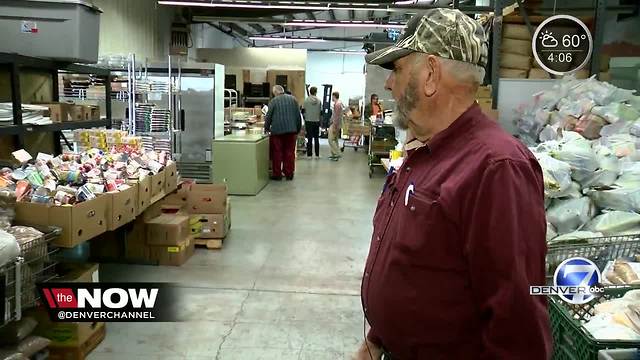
614 222
569 215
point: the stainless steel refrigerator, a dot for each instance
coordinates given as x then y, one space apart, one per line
198 117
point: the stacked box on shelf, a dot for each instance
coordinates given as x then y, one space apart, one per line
516 54
210 210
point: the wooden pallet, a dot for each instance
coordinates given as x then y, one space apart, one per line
209 243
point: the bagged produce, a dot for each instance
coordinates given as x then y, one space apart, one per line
621 144
614 222
581 159
604 327
569 215
9 248
557 174
589 126
615 112
572 192
574 237
607 172
549 132
630 174
623 199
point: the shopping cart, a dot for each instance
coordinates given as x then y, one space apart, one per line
600 250
355 132
18 279
383 140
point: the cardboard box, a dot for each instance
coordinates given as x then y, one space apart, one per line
78 272
64 335
58 112
157 183
172 255
143 196
81 351
76 112
484 92
94 112
171 177
515 46
207 199
515 61
121 207
79 222
167 229
136 246
212 226
516 31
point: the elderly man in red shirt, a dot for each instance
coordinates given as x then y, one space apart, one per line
459 230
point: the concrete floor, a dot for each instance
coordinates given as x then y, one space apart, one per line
286 284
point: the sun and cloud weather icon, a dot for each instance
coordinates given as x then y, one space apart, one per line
548 40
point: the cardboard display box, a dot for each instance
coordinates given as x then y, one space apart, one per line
167 229
121 207
157 183
171 177
80 351
143 196
207 199
137 248
172 255
79 222
212 226
78 272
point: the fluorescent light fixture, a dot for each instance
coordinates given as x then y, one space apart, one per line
347 52
352 24
280 5
286 39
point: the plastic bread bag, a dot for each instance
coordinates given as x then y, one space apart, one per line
626 273
621 144
607 172
548 133
575 108
557 174
32 345
572 192
9 248
569 215
614 222
622 199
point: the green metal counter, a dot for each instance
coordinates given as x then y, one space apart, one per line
242 161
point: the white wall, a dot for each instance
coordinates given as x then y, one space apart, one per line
262 58
344 72
135 26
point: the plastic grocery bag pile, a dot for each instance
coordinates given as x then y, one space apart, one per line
589 107
591 178
590 191
617 319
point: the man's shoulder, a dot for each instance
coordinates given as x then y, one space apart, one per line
496 143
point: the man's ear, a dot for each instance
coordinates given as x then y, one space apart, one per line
433 75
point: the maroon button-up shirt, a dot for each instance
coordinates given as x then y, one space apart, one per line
459 236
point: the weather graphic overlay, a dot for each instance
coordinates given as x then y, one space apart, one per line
562 44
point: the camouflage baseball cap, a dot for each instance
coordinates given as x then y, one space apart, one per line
446 33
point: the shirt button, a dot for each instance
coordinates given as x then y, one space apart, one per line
392 203
366 274
378 238
408 168
413 208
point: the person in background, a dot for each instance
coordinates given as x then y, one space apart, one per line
459 230
312 108
373 108
283 121
334 127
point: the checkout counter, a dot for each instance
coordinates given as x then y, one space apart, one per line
242 161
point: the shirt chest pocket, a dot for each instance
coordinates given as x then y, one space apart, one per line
424 235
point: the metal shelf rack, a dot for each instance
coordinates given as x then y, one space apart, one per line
14 63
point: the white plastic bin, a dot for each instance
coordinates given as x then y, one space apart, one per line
55 29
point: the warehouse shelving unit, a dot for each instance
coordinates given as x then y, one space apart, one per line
15 63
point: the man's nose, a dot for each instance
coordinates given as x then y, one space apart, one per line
388 85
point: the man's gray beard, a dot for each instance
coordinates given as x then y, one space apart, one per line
404 105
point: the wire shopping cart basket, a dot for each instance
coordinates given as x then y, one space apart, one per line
600 250
18 278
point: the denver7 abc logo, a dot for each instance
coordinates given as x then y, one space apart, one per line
575 281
